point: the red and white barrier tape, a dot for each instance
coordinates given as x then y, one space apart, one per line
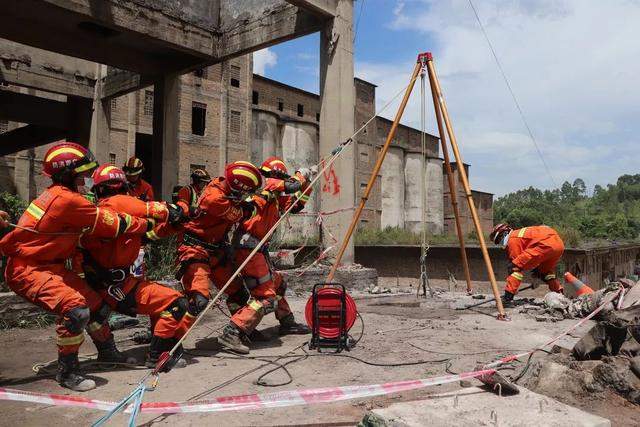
249 401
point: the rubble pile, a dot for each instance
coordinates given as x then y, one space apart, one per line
607 357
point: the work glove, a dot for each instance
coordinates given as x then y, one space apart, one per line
307 173
198 303
4 219
176 214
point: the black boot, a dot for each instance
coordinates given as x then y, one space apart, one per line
289 326
160 345
109 353
507 299
231 339
69 374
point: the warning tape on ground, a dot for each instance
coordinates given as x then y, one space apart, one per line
573 327
248 401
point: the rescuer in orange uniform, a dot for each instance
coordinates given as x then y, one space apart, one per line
189 194
108 266
49 233
265 285
204 247
138 187
537 248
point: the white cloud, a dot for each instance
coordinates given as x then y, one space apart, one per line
263 59
572 64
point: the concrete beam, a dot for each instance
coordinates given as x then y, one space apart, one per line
326 8
26 66
23 108
119 33
28 137
121 82
337 117
255 24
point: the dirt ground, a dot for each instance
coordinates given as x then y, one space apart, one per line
397 329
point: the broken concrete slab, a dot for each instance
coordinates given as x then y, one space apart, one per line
632 297
475 406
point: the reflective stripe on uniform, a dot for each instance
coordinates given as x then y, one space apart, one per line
94 326
35 211
151 235
165 314
74 340
517 275
302 196
255 305
264 279
521 232
127 220
549 276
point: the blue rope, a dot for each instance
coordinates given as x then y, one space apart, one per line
121 406
136 406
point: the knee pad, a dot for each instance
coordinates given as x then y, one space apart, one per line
101 315
76 319
178 308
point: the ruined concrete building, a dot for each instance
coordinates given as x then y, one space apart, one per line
185 103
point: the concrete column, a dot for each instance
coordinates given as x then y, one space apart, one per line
100 137
166 121
79 114
337 97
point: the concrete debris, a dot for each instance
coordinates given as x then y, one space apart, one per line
474 406
379 290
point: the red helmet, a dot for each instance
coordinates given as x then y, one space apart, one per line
274 164
134 166
498 232
242 177
67 158
109 176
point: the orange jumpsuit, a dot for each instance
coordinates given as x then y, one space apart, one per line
142 190
139 296
36 265
200 257
537 247
266 286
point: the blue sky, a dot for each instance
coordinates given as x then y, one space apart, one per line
573 65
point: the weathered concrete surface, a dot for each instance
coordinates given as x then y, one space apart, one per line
300 149
392 188
337 117
352 277
476 406
265 136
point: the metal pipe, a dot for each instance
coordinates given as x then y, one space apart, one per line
465 183
376 170
452 187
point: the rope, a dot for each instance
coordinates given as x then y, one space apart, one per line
424 246
326 164
513 95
